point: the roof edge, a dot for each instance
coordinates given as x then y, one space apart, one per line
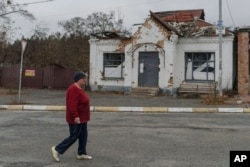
169 27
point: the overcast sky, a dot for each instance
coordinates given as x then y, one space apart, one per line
234 12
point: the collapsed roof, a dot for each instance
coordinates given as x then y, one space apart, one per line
185 23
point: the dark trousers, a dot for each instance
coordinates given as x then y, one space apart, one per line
76 131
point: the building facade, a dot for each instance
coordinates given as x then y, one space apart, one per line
168 49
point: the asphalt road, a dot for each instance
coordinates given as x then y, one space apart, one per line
125 139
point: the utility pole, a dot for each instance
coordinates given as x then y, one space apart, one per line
23 44
220 27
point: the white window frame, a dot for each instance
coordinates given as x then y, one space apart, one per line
200 66
113 65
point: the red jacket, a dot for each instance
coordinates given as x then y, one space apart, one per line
77 105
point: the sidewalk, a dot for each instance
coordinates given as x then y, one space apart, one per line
49 99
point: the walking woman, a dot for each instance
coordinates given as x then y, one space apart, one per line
77 116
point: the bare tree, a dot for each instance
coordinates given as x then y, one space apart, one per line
95 23
40 31
74 26
7 7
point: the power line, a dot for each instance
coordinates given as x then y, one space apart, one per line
35 2
11 12
230 13
24 4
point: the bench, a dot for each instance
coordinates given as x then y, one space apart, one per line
197 88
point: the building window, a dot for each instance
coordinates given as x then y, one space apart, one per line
113 65
200 66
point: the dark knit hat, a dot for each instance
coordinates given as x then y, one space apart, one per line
79 75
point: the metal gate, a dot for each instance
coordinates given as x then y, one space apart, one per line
148 69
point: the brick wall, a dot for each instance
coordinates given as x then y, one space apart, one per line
243 63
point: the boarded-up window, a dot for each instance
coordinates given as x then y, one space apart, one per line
113 65
200 66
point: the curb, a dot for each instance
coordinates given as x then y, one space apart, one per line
130 109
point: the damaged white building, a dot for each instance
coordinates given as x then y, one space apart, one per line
169 48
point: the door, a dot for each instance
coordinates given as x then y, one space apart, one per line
148 69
